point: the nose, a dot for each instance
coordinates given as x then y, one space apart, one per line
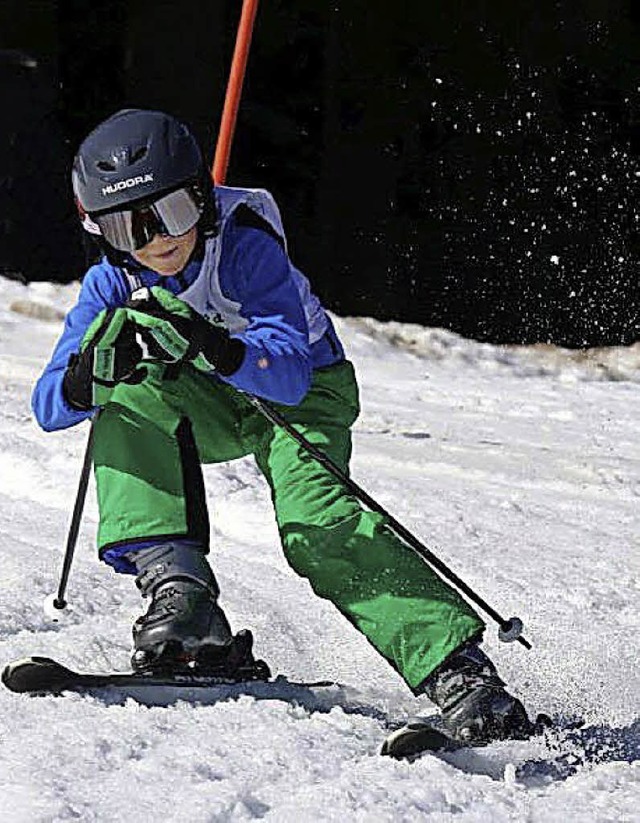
158 237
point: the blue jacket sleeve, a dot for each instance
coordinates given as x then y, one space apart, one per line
277 362
101 288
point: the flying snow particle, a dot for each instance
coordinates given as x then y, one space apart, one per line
509 774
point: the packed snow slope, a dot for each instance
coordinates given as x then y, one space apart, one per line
519 467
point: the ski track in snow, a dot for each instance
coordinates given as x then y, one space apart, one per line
517 465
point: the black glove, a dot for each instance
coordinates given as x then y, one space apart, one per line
109 355
176 333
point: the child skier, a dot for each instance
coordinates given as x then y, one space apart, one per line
194 305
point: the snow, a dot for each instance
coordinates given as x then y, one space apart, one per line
518 466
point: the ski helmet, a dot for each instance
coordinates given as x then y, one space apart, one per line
134 155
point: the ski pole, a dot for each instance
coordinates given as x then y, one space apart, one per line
57 602
234 90
510 629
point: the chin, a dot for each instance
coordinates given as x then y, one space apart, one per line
168 268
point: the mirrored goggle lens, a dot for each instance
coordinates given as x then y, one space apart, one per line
131 229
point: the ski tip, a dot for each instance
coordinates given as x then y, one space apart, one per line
417 737
9 677
33 674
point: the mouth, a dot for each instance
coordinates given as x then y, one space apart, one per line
164 255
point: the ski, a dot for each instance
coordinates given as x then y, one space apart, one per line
419 736
45 676
42 675
429 734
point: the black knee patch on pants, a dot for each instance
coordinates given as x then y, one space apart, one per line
193 484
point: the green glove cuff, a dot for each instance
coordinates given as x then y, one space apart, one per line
112 353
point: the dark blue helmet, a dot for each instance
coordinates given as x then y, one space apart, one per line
134 155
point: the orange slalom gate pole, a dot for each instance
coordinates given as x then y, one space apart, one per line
234 91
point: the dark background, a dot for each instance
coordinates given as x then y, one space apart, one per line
473 166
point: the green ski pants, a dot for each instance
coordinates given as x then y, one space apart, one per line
150 441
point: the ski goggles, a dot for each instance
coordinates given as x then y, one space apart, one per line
130 229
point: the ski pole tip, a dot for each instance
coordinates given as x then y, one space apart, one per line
55 608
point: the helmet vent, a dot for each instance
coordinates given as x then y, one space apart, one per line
104 165
138 154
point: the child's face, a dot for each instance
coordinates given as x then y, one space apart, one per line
167 255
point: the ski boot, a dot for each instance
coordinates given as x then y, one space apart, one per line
184 626
476 708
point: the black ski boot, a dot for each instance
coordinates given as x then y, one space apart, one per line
476 708
184 625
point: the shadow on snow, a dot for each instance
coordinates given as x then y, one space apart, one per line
318 696
576 748
561 753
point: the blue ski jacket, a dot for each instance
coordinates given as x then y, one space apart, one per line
241 277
